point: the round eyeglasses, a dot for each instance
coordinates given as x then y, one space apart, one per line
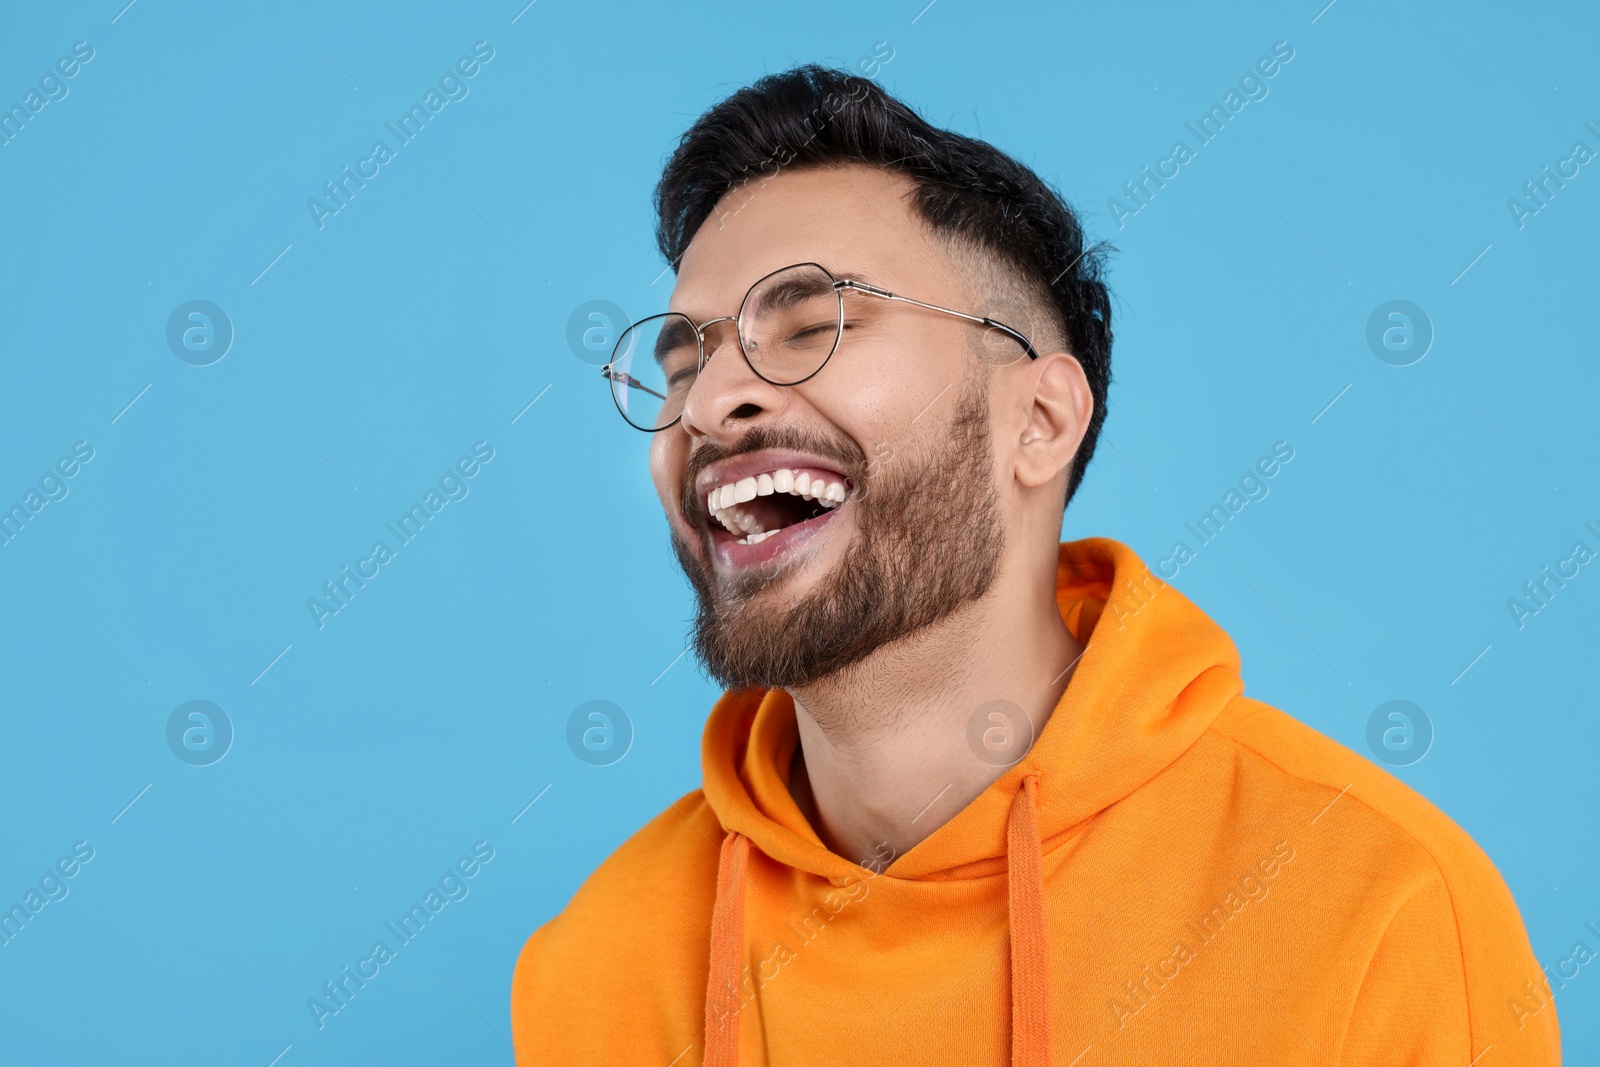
788 327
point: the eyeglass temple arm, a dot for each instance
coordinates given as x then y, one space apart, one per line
628 380
873 290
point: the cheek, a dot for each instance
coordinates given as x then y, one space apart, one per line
892 409
667 458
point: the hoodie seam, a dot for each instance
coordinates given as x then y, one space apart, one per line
1366 971
1426 849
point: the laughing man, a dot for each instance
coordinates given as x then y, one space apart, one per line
973 795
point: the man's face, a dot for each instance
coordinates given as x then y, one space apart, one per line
899 417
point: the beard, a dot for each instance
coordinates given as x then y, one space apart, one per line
929 540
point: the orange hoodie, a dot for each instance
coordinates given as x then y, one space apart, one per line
1174 874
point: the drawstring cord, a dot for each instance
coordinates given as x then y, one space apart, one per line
1030 941
727 951
1030 931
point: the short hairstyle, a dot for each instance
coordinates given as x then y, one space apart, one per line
967 192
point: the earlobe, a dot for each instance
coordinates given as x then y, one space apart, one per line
1058 417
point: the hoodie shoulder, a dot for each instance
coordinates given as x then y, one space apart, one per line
1439 878
638 928
1309 758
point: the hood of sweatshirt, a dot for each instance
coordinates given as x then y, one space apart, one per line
1155 673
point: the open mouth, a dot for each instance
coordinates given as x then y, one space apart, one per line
755 508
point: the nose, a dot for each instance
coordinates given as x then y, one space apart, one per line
727 395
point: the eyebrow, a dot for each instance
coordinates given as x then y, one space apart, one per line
674 334
855 275
841 275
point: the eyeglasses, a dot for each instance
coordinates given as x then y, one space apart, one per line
788 327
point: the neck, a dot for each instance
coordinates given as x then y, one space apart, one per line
884 758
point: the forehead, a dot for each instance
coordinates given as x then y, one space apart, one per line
851 219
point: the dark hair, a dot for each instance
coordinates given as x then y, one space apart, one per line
966 190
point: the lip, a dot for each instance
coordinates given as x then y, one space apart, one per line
728 553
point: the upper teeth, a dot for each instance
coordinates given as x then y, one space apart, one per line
723 501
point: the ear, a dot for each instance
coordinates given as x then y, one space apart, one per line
1058 417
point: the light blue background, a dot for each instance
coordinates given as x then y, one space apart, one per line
430 311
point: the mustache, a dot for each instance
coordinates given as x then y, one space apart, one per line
850 459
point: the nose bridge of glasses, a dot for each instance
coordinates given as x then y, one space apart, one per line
712 339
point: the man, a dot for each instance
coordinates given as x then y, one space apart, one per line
974 796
